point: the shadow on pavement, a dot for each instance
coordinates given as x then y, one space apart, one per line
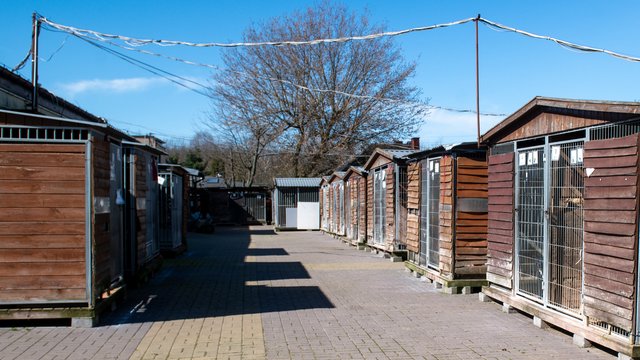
215 278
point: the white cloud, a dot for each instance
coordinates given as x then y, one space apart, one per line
447 127
112 85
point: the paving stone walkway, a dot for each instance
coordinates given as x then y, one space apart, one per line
254 294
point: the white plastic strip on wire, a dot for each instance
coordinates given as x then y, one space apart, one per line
560 42
139 42
287 82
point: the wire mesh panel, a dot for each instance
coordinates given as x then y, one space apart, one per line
566 226
347 210
424 211
341 205
325 207
379 208
402 202
255 206
335 209
287 198
116 196
530 221
308 194
434 213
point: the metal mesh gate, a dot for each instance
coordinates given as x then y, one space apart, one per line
530 221
434 213
347 210
430 213
379 208
549 224
566 226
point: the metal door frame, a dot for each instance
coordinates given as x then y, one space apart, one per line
546 159
347 210
379 194
424 211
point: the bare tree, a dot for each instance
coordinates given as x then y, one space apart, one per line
295 99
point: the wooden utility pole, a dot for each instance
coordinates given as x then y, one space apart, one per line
477 20
34 61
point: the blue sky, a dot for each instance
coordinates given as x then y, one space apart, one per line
514 68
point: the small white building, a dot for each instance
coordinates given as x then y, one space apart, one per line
296 203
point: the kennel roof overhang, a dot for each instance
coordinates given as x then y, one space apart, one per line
393 155
585 109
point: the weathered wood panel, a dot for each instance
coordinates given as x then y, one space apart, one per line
610 246
42 222
547 123
413 219
446 214
390 201
471 227
101 234
500 219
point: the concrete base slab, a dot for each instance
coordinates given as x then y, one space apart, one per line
451 290
540 323
580 341
84 322
466 290
482 297
506 308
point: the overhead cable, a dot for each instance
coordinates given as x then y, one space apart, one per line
153 69
560 42
139 42
21 64
287 82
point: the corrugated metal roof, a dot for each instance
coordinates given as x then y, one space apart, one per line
297 182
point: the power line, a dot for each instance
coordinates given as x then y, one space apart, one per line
140 42
95 35
153 69
560 42
287 82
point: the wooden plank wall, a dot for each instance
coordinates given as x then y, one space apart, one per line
413 204
141 188
331 201
364 208
446 206
471 227
101 226
610 237
370 207
42 222
352 217
390 204
500 231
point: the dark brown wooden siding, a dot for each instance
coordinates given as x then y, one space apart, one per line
42 222
370 208
471 226
390 205
101 234
413 204
500 220
364 208
610 237
446 215
141 188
